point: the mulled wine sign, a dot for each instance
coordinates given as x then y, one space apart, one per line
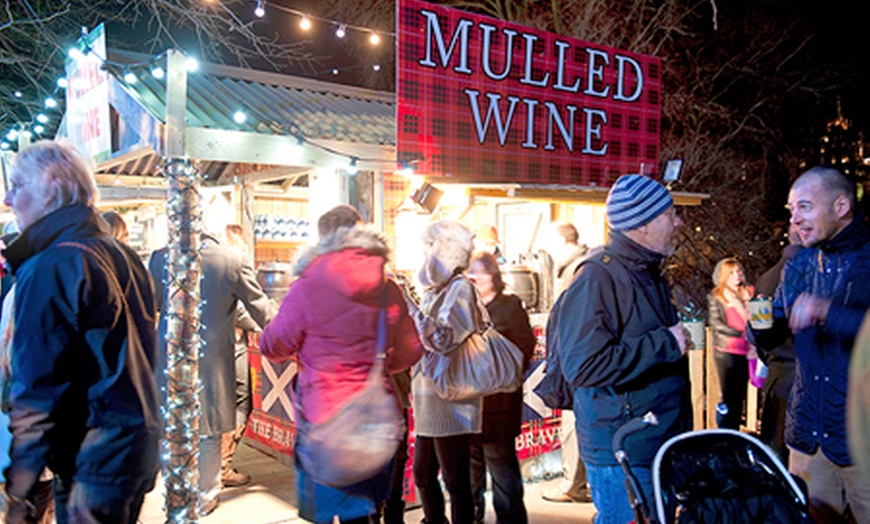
481 99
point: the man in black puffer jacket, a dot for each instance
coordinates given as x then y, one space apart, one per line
622 347
84 398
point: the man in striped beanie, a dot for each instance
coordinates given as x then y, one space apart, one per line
621 345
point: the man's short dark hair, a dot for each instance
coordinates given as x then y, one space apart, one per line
341 215
568 232
835 183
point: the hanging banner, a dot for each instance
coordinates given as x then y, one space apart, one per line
480 99
87 97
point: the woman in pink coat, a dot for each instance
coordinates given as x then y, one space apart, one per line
328 324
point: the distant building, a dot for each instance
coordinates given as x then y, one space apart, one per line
845 146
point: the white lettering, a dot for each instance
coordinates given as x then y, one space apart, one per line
486 58
620 83
560 72
593 130
596 72
527 75
433 30
492 112
567 133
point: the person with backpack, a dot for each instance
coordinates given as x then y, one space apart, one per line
622 347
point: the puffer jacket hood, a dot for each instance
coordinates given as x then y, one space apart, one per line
451 248
349 260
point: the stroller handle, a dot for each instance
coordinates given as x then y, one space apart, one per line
632 426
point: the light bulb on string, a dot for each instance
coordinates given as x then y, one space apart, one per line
260 10
50 102
374 39
376 67
341 31
191 64
352 168
305 23
75 53
12 135
41 118
38 129
4 145
158 72
62 82
129 77
335 72
18 93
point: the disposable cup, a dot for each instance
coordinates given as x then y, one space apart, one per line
761 313
698 333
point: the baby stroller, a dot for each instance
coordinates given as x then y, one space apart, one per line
713 476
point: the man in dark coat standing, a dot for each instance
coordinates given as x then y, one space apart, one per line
820 302
622 346
83 399
228 278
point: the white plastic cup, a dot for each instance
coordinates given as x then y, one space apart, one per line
698 333
761 313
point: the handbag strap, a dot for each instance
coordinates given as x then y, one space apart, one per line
377 370
113 282
381 341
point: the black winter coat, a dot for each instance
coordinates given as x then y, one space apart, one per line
619 355
503 412
84 398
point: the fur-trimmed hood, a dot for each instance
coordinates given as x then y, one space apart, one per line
450 248
349 261
363 237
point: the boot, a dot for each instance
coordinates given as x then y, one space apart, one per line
229 443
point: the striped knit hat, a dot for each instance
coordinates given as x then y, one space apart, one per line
635 200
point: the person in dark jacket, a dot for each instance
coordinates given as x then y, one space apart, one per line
622 346
495 448
821 301
84 398
779 361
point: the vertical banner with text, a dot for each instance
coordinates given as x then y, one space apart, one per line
87 98
481 99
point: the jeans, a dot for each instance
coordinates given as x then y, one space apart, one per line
610 496
452 455
87 503
500 458
733 371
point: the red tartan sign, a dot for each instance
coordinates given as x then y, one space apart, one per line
486 100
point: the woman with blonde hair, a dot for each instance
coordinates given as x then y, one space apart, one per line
728 312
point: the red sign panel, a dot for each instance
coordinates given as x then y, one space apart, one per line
486 100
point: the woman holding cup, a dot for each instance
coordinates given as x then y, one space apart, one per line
728 312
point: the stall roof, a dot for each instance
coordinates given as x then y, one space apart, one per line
333 120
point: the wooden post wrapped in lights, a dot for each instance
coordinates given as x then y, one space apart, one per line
181 411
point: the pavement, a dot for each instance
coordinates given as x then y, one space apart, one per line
271 498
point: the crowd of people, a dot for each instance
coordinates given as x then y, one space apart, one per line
83 337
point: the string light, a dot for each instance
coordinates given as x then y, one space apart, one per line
191 64
184 343
374 39
50 102
305 23
260 10
239 117
158 72
341 30
41 118
352 168
129 77
62 82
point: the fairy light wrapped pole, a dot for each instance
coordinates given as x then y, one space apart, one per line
184 213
